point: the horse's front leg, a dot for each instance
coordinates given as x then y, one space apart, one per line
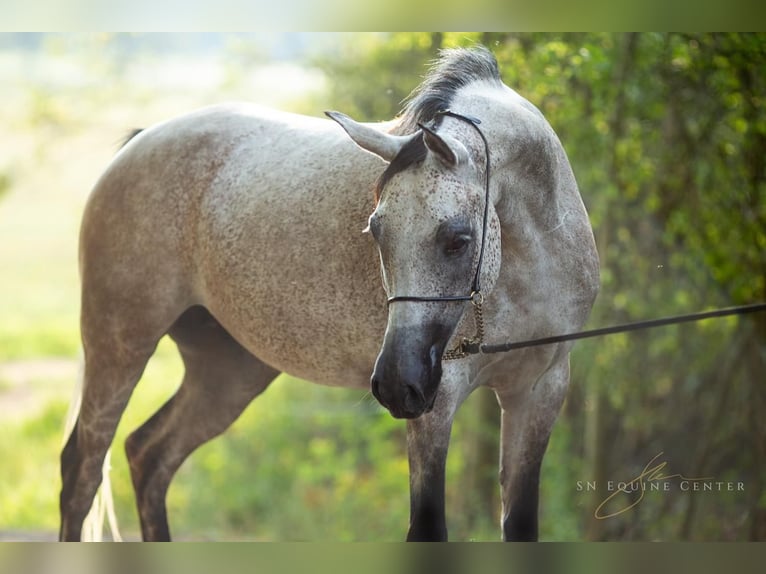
427 444
527 421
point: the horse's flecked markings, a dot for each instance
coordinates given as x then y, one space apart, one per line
238 231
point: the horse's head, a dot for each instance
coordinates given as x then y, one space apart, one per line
429 227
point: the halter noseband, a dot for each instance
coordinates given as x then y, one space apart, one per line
476 297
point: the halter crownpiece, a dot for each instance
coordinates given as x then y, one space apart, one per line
472 119
476 297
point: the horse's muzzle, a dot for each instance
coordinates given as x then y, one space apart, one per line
406 380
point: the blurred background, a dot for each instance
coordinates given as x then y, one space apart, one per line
667 137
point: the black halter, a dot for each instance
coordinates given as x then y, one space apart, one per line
476 295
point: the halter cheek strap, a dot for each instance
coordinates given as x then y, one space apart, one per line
476 297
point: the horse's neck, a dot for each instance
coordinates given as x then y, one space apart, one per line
549 268
536 198
532 182
549 255
536 192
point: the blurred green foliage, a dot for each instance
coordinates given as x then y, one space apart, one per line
314 465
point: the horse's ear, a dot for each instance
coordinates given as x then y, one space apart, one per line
449 151
380 143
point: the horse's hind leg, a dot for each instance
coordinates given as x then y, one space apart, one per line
112 369
221 379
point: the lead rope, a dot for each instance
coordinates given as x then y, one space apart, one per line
624 328
475 345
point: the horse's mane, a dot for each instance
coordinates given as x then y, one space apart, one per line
454 69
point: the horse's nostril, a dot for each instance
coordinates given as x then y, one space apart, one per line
433 355
414 397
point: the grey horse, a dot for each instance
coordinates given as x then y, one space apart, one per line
264 242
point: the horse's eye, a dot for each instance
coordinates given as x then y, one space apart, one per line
457 244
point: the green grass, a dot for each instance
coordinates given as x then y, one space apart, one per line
296 466
302 463
27 500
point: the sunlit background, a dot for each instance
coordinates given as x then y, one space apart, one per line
667 136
